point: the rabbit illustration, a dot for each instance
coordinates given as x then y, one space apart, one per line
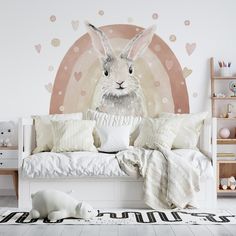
118 91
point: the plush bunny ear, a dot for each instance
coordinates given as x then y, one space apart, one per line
138 44
100 41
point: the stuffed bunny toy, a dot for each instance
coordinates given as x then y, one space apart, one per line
8 134
57 205
118 91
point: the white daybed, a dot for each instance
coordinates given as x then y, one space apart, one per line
107 192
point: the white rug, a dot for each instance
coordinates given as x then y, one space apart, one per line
132 216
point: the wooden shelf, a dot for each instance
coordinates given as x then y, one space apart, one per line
226 191
226 161
220 118
8 148
226 141
223 78
223 98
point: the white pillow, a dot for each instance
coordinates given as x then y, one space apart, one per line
157 133
113 139
44 138
105 119
189 130
73 135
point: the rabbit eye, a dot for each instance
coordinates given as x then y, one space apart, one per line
106 73
130 70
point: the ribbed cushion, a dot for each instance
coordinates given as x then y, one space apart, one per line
73 135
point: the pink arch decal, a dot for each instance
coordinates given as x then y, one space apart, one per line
157 46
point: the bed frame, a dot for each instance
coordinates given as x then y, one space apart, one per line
122 192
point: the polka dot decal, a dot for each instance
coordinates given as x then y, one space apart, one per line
154 16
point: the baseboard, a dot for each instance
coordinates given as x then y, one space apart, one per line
7 192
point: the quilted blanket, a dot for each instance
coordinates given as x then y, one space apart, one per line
169 181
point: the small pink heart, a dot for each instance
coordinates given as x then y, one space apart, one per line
169 64
48 87
75 24
190 47
38 48
83 93
77 76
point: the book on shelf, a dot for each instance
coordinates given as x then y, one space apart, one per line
226 156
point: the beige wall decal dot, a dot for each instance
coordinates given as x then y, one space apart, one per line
169 64
165 100
172 38
55 42
76 49
61 108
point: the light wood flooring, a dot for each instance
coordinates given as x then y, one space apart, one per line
115 230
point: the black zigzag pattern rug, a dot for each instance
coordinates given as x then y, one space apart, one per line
132 216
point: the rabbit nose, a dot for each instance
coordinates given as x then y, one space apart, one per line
120 83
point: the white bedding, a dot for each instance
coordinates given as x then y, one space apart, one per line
82 164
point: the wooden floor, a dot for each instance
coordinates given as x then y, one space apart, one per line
115 230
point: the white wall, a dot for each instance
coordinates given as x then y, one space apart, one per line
23 24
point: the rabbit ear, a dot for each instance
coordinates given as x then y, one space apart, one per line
138 44
100 41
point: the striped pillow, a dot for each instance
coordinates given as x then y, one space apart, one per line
73 135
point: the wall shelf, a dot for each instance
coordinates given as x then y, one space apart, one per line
223 98
223 78
220 118
226 141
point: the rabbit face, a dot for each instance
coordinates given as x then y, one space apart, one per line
119 89
118 78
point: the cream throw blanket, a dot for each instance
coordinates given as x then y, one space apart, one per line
168 180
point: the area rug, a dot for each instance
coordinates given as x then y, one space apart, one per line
133 216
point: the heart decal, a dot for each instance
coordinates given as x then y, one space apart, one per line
190 47
48 87
38 48
75 24
77 76
186 72
169 64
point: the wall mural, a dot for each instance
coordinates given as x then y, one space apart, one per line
120 68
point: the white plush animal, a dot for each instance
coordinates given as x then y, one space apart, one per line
118 91
8 134
58 205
